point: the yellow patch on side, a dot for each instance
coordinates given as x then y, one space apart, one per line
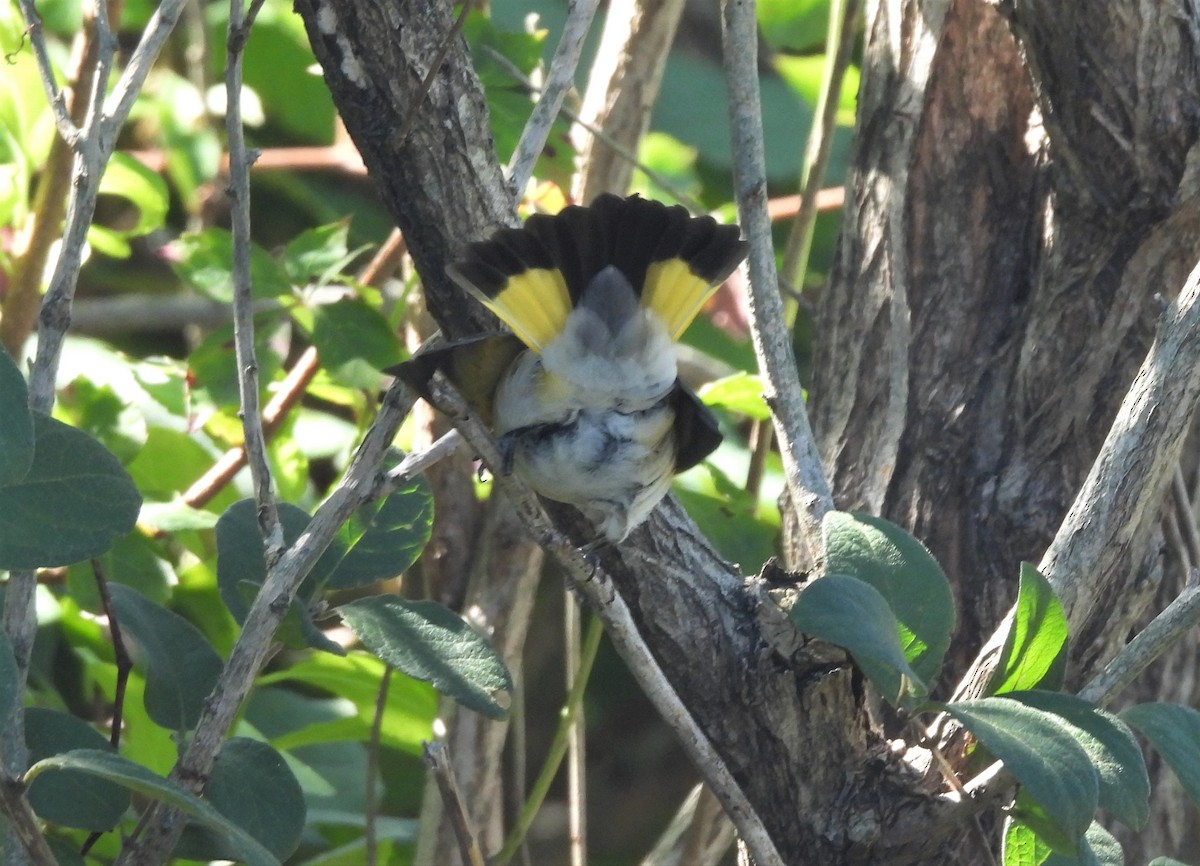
675 294
535 304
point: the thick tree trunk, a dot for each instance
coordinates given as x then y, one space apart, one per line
995 290
991 300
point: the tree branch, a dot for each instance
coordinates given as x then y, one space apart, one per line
806 481
558 80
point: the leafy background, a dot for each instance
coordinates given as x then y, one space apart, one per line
149 373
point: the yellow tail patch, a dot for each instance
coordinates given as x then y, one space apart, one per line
676 294
534 304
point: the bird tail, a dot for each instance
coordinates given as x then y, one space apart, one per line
532 277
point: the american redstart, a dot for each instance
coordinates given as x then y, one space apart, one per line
584 396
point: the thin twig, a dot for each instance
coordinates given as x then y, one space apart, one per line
438 762
806 479
1185 515
573 658
592 583
93 149
371 809
416 463
254 440
572 707
1127 482
266 613
840 41
124 665
54 95
121 657
22 822
658 179
1176 620
562 73
293 387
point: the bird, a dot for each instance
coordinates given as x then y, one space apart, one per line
582 392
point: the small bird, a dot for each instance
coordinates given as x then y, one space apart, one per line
584 396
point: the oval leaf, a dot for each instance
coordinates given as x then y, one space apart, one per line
383 539
16 423
241 563
135 777
1043 755
355 342
1124 783
1174 732
742 393
74 500
69 798
252 786
1035 648
1022 846
1098 848
430 642
181 666
905 574
852 614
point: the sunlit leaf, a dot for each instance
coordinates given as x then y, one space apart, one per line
1043 754
1124 783
430 642
1036 644
905 574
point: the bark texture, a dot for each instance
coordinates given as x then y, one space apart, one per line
992 299
1023 188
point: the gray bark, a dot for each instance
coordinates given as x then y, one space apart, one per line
992 299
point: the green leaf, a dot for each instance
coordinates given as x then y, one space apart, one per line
1036 644
128 178
430 642
806 75
1166 861
10 678
16 423
793 25
384 539
241 567
1022 846
70 505
1043 755
1124 783
407 716
252 786
354 342
181 667
1098 848
853 614
1030 813
135 777
741 393
70 799
204 260
317 253
1174 732
905 574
